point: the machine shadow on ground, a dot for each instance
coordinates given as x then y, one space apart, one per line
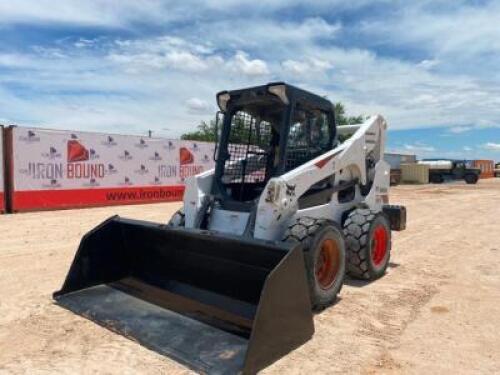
357 283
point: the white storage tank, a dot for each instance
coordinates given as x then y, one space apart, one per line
437 164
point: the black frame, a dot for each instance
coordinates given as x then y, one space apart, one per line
261 94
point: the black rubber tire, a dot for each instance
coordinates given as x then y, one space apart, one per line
311 233
359 229
178 219
471 178
436 179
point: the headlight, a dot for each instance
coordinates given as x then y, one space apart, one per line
280 92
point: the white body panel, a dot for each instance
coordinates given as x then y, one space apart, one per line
347 163
197 188
232 222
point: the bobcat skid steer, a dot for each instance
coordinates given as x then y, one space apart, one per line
261 242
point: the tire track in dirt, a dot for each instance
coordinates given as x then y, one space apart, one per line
439 299
449 261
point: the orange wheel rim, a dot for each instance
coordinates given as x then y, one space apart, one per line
327 264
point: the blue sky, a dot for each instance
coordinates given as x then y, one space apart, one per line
430 67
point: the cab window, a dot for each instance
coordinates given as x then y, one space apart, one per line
309 136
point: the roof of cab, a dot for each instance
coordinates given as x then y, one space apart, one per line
293 93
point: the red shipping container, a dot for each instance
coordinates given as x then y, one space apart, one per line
2 182
487 168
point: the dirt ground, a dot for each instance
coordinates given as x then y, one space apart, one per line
437 311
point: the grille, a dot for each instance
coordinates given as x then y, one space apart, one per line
248 148
309 137
298 156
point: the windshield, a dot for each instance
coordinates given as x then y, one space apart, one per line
252 148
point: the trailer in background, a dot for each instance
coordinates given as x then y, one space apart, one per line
487 168
395 160
415 173
2 168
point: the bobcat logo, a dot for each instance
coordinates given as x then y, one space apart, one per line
93 154
110 141
53 184
169 146
111 169
52 154
142 170
156 157
290 190
156 181
142 144
125 156
92 183
30 137
126 182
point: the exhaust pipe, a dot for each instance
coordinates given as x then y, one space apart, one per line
216 303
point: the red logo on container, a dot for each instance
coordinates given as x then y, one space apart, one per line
77 152
185 156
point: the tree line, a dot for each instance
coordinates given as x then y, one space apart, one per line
206 131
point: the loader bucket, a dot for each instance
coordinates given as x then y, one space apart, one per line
216 303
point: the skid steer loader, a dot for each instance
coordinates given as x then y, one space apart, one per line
261 242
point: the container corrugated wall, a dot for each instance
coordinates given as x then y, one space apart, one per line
2 183
487 167
415 173
395 178
395 161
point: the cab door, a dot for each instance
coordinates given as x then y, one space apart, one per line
459 170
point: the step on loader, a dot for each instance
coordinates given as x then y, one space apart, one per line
262 241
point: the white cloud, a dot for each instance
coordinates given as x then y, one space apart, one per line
197 105
428 64
135 79
296 67
45 11
467 148
460 129
164 52
131 13
100 13
490 146
185 60
242 64
312 65
419 148
85 43
461 35
14 60
316 27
